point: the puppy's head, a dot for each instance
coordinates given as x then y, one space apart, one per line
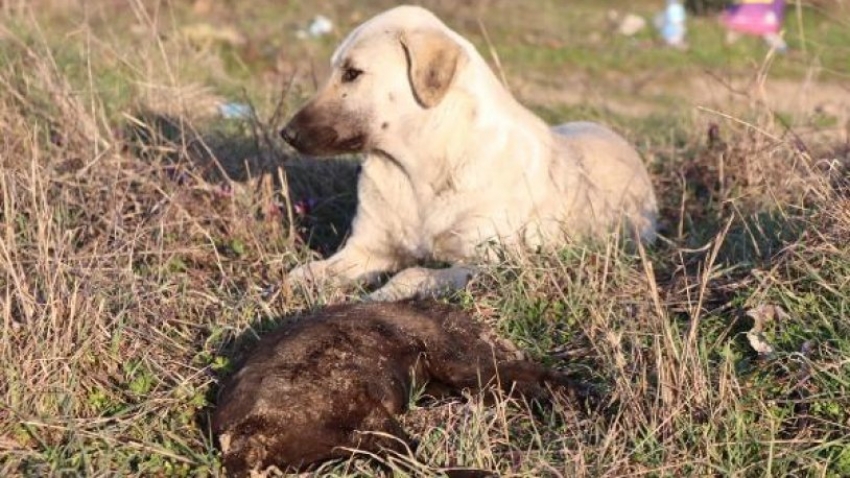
389 70
242 453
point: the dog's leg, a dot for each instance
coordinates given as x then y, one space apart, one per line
420 282
350 264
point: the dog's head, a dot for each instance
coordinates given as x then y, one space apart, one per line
395 66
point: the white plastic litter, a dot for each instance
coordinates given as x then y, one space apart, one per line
631 25
319 26
671 24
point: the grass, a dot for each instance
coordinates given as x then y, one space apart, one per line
144 243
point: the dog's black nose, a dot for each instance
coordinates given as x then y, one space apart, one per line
289 135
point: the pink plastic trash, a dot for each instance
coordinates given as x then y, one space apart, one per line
756 17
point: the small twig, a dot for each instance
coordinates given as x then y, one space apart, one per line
493 54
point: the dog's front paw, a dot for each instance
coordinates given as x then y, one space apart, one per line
412 283
306 274
422 283
392 293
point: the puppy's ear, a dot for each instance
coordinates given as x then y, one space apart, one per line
432 61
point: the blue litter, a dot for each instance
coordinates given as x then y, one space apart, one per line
671 23
235 110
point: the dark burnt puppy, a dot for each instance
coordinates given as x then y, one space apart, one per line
312 391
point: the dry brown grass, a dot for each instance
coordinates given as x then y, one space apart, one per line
145 242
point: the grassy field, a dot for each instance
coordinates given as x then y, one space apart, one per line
144 239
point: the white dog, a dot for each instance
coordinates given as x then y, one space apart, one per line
453 162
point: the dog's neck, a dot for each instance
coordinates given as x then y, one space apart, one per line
429 151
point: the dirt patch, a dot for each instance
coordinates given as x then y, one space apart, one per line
816 109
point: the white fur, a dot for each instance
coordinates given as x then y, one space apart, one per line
438 183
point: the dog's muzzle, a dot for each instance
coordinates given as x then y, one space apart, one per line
290 135
316 140
310 136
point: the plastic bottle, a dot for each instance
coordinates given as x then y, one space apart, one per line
673 27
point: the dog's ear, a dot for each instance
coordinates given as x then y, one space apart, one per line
432 61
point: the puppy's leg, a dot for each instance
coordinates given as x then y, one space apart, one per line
350 264
420 282
380 431
527 378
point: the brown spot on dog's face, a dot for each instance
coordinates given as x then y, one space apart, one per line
323 128
366 98
337 120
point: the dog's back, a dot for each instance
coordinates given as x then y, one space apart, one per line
615 183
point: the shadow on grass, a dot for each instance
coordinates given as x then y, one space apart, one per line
319 193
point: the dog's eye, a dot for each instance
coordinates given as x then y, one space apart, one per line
351 74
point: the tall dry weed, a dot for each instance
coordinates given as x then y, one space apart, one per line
143 245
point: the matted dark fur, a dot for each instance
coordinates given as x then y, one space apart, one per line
312 390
